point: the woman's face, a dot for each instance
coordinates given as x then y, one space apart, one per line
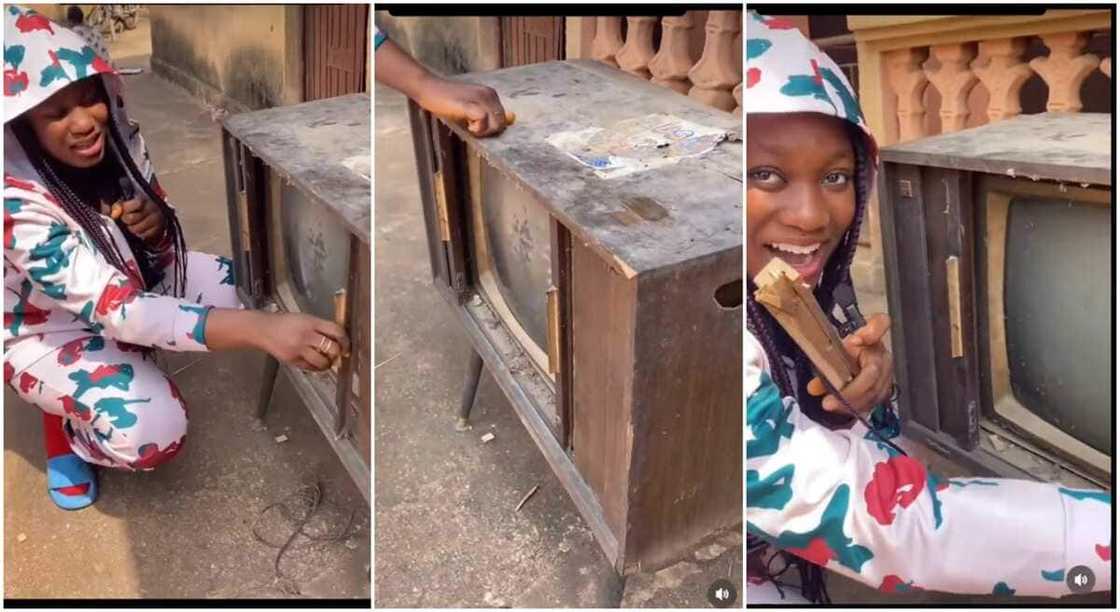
71 124
800 190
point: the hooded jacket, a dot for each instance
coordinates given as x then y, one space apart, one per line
58 286
842 499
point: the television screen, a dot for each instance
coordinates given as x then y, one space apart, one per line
1058 318
513 254
316 247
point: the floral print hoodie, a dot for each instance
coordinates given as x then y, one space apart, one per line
844 500
57 286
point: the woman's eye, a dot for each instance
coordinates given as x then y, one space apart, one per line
837 178
765 177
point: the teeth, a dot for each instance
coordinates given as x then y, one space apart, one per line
796 249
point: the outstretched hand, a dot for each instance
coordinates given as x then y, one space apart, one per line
477 106
872 385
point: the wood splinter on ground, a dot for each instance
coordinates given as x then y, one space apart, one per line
526 498
486 437
281 438
783 294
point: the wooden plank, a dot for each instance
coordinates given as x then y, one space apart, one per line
603 327
687 461
421 124
945 228
1071 147
781 292
363 338
904 243
450 166
561 245
314 143
701 196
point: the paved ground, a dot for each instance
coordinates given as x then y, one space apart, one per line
447 531
185 529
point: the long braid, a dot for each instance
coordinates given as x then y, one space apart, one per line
179 245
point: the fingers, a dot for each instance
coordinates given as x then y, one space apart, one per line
816 387
145 226
133 206
315 359
333 331
877 326
855 391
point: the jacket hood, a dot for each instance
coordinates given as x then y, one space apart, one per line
41 57
787 73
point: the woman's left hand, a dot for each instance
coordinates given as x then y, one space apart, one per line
143 218
872 385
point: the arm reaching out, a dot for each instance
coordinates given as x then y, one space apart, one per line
475 105
844 500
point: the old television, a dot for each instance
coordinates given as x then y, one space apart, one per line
298 191
607 308
998 249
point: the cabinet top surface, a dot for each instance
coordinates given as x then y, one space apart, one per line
1070 147
645 220
323 147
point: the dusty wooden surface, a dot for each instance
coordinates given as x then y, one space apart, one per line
698 200
1071 147
310 145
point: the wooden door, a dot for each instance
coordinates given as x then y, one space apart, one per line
531 40
335 48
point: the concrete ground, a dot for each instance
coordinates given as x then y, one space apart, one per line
447 531
185 530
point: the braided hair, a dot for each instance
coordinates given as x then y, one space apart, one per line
777 344
86 213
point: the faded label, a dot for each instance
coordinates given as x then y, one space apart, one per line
637 145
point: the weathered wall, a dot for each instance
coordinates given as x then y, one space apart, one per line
243 57
447 45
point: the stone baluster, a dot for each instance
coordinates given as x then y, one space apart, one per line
738 94
1106 66
670 66
953 80
635 55
1065 69
1000 67
608 40
907 80
716 74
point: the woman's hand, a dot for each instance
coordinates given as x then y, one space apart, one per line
142 217
476 105
304 341
872 385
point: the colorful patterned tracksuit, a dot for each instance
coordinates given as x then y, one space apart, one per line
845 500
78 332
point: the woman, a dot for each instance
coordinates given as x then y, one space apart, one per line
97 273
828 490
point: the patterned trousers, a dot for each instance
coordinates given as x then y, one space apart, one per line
119 410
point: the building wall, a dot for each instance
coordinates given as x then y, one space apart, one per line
447 45
241 57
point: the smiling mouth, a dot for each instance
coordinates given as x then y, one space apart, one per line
88 148
807 259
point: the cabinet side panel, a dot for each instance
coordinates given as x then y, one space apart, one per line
686 474
602 328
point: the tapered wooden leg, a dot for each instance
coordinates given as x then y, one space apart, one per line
470 391
268 382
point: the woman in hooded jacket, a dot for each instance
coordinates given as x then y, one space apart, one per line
97 273
826 489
